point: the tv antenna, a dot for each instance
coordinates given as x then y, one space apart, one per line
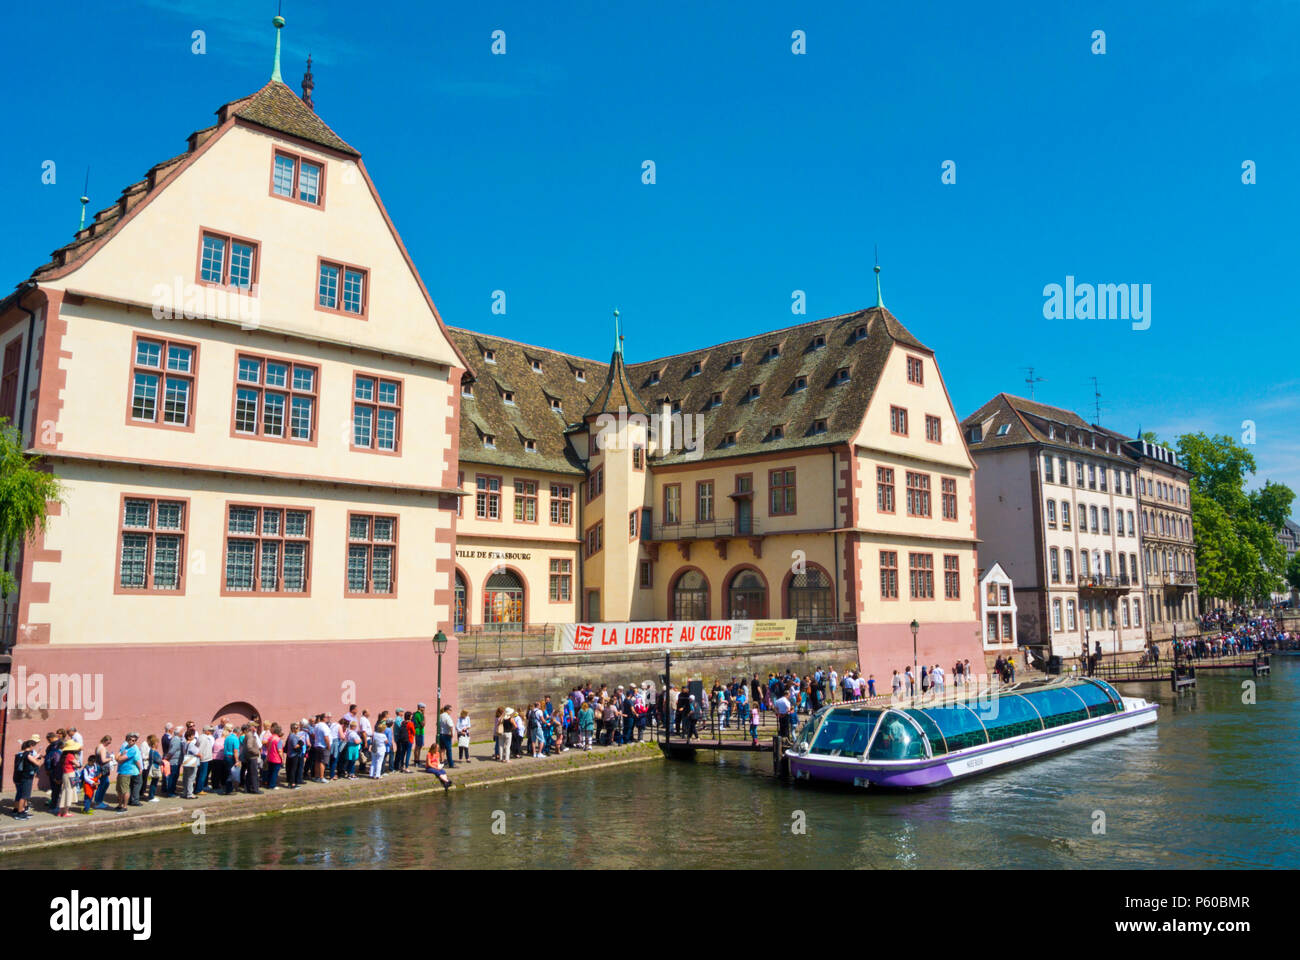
1096 401
1031 380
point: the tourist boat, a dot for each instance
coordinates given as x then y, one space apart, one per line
925 743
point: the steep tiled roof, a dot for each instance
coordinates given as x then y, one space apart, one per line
531 416
275 107
795 371
1028 422
616 394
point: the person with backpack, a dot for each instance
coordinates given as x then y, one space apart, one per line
53 763
157 766
28 761
417 721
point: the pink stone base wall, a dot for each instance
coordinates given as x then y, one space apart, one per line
886 647
144 686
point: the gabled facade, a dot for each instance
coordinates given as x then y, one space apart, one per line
254 405
814 473
998 610
1058 509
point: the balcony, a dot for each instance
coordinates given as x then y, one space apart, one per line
709 530
1106 583
1175 579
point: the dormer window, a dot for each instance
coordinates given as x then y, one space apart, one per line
556 405
530 446
467 390
579 374
772 352
715 401
818 426
752 393
509 397
841 376
677 406
736 360
695 369
489 356
728 440
1003 429
490 441
777 432
654 379
537 366
858 334
817 343
975 434
800 383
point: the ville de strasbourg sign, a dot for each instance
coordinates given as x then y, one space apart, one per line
669 634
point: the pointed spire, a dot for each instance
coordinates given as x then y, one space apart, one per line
880 300
278 22
308 85
618 336
85 199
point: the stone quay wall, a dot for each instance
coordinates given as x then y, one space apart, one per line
511 683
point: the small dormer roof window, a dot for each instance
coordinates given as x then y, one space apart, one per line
556 405
579 374
818 426
489 355
489 441
467 390
695 369
772 352
537 365
530 446
859 334
817 342
841 376
736 360
777 432
752 392
799 383
654 379
677 406
975 434
728 440
509 397
715 401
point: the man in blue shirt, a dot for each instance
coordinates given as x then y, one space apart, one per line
128 773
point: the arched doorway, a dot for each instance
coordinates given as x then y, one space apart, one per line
460 616
809 597
747 596
239 712
503 598
690 598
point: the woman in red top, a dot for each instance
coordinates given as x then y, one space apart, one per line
69 767
271 746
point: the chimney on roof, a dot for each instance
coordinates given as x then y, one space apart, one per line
308 85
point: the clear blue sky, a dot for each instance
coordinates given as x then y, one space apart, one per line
775 172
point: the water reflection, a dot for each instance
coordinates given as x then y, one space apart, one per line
1210 785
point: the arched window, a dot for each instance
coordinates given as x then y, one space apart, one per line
808 597
691 597
503 598
461 612
747 596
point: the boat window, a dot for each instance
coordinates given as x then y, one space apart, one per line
960 727
1110 691
1099 702
810 727
1008 716
931 730
898 739
845 733
1058 706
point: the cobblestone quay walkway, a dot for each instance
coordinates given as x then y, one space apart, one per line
211 810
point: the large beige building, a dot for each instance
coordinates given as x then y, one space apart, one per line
251 400
814 472
1058 509
1168 542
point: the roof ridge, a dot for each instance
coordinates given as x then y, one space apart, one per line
530 346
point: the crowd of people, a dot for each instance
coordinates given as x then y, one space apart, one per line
1230 637
186 761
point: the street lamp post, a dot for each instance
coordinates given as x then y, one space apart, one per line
916 672
439 647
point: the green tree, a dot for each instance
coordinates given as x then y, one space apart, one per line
26 489
1238 555
1293 571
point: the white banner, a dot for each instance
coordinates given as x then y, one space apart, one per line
667 634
